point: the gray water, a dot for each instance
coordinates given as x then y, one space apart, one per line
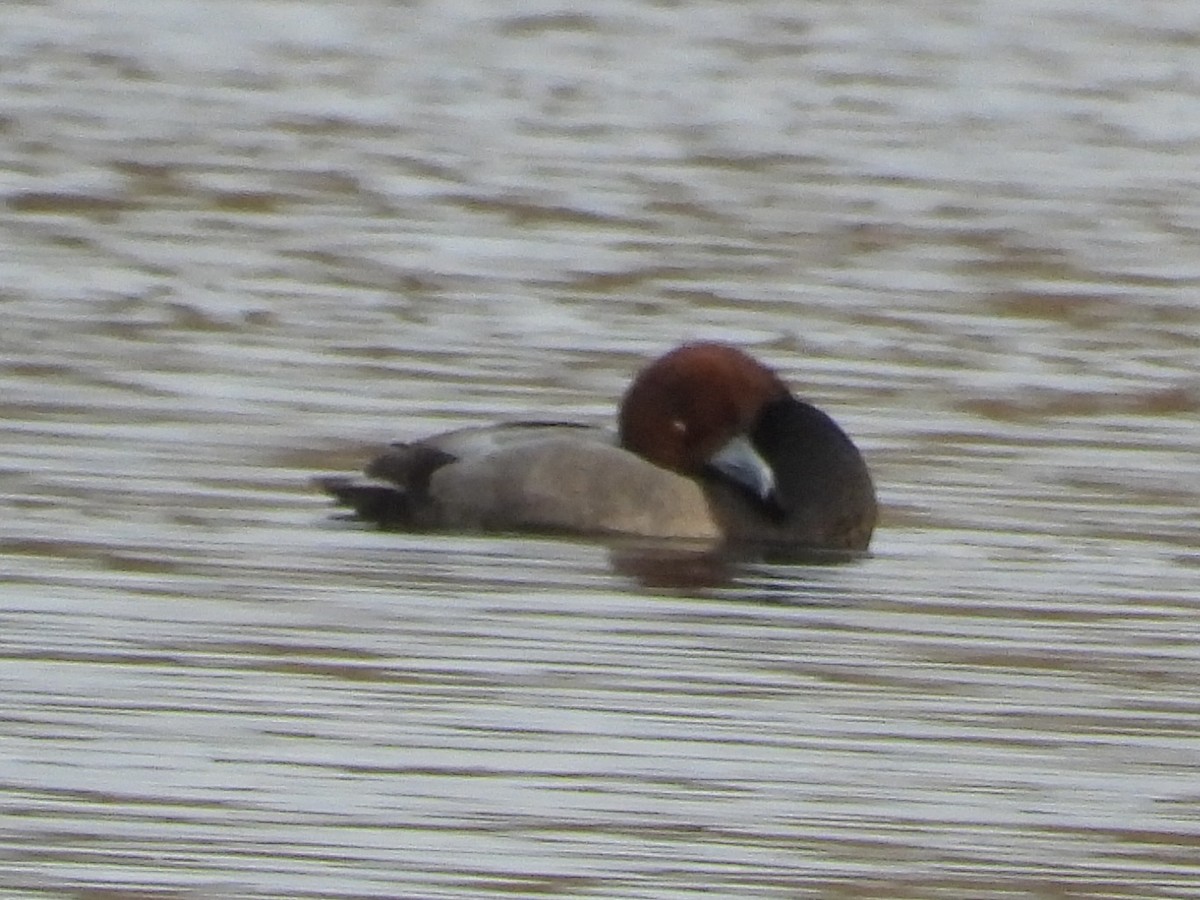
247 242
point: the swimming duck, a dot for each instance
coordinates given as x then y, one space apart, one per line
710 445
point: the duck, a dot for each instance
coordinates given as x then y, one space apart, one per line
710 445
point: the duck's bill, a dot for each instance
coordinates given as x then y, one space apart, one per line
739 462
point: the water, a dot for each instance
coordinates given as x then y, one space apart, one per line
248 242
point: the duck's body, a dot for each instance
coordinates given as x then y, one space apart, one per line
711 446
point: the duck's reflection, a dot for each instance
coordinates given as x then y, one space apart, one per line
687 567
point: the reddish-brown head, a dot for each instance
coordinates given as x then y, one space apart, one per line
685 406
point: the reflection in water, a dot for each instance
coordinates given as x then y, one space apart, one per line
683 571
677 567
241 248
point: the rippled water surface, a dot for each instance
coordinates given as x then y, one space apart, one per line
247 242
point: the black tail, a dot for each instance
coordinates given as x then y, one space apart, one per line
384 504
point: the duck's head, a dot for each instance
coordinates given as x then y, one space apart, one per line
695 410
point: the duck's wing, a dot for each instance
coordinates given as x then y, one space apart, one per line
394 489
484 440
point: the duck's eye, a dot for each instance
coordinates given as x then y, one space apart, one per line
679 426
